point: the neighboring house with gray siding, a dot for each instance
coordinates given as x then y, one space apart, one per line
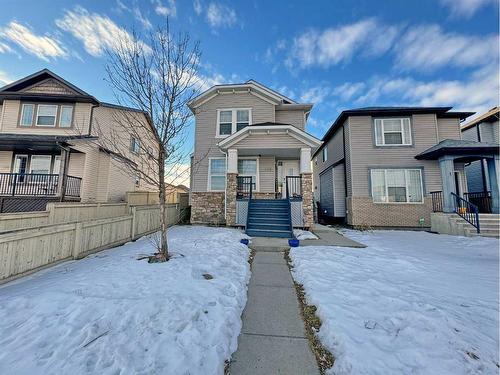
55 144
379 165
248 132
484 128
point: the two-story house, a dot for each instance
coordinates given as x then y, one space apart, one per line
57 142
394 166
251 163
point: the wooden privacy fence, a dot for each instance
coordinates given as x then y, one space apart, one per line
62 213
26 250
143 197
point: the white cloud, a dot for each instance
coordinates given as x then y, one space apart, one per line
219 15
466 8
4 48
335 45
97 32
5 79
478 92
347 90
177 174
44 47
315 94
169 10
198 8
429 47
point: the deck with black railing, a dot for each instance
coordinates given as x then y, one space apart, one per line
37 185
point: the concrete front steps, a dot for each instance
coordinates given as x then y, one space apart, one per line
447 223
489 225
269 218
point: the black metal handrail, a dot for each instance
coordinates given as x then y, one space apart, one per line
73 185
244 187
466 210
293 187
37 184
437 201
482 199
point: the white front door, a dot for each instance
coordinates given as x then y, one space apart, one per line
289 168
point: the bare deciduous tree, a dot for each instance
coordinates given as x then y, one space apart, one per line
158 76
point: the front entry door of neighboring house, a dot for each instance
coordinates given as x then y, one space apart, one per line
289 168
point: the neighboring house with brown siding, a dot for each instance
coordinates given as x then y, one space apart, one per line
250 139
53 145
380 166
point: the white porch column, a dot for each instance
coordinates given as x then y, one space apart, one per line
447 168
305 160
494 173
232 160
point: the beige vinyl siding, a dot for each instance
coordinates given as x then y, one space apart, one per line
267 176
470 134
119 181
448 128
76 164
49 86
5 161
339 190
269 141
486 130
205 145
295 118
496 131
364 154
10 120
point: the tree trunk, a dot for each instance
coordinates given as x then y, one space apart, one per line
163 250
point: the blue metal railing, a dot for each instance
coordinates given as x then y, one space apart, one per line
466 210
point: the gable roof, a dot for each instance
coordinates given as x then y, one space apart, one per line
15 89
441 112
250 86
38 77
289 129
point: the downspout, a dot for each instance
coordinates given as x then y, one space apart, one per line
225 186
91 118
345 167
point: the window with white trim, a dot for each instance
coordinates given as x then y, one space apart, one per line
397 185
46 115
392 131
248 168
325 154
66 116
217 174
40 164
27 113
230 121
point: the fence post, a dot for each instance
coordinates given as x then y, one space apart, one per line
77 245
51 208
134 211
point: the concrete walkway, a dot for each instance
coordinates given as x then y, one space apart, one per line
273 339
329 237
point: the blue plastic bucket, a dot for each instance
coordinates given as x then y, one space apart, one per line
293 242
244 241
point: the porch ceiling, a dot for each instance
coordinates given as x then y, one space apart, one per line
37 143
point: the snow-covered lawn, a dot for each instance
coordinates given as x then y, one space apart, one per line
112 314
409 303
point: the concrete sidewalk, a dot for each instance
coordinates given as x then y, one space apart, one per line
273 339
329 237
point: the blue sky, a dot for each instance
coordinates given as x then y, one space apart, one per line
337 54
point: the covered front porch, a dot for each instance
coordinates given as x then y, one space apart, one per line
454 196
269 163
35 167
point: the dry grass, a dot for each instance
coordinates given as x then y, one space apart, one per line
312 322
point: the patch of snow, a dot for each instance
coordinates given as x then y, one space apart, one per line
110 313
304 235
411 302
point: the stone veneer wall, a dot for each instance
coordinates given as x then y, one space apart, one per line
307 199
363 212
231 187
207 208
